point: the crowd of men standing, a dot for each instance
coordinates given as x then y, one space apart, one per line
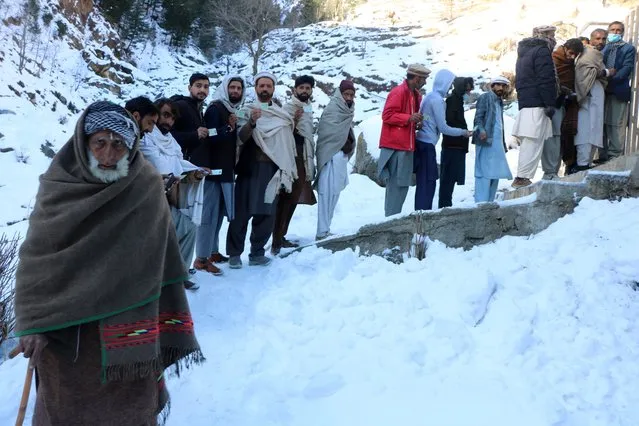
249 162
573 106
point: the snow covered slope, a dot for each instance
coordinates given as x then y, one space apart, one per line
533 331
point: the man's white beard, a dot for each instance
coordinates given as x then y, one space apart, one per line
108 176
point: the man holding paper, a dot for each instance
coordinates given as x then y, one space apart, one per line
266 165
299 107
218 153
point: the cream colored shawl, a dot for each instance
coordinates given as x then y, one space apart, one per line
587 67
305 129
273 134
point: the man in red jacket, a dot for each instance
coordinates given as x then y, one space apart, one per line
400 120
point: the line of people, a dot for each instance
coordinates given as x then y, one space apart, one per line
573 106
249 162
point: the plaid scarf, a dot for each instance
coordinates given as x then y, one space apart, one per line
612 53
107 253
105 115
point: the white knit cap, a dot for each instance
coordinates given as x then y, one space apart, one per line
500 79
265 74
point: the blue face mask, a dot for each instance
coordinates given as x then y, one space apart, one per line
614 38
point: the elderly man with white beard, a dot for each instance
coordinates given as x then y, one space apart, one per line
100 304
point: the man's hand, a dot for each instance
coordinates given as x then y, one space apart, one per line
32 346
232 121
255 115
482 135
469 133
416 118
549 111
298 115
202 132
611 72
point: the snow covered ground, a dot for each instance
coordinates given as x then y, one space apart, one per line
532 331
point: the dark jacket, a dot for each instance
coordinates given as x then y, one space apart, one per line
535 80
455 116
185 128
217 152
619 85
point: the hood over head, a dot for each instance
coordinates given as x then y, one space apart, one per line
443 79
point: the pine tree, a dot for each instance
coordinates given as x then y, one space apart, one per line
179 19
114 10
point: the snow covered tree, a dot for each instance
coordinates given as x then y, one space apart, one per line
30 16
179 19
8 262
249 21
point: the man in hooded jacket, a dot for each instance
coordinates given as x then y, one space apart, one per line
454 149
433 109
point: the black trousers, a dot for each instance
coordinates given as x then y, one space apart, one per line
453 171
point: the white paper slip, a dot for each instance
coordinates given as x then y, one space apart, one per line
308 108
240 113
264 106
212 132
216 172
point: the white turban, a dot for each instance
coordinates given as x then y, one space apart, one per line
500 80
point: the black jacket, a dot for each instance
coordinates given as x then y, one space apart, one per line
217 152
535 80
455 116
185 128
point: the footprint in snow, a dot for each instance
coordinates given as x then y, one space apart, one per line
323 385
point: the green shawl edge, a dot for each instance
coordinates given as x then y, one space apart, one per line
101 316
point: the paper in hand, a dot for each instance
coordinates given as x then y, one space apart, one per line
264 106
308 108
212 132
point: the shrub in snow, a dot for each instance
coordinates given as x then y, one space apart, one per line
8 263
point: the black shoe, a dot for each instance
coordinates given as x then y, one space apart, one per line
190 285
582 168
289 244
192 271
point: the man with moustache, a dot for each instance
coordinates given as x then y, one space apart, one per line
591 79
186 196
335 146
266 166
488 137
189 129
144 111
400 119
100 307
300 108
217 152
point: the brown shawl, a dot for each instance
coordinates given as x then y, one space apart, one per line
106 253
588 66
566 72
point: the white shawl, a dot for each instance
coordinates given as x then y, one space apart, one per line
222 94
165 154
273 134
305 129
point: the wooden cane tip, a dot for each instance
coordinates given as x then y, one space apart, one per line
15 352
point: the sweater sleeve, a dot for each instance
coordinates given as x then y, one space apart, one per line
439 111
627 66
480 114
393 113
544 68
188 140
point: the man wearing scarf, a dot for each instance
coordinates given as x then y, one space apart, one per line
100 307
300 108
619 58
537 91
265 167
590 83
335 146
185 197
564 59
218 153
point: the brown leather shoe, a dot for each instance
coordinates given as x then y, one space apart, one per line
289 244
521 182
218 258
207 266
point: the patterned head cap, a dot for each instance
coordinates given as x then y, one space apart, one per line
106 115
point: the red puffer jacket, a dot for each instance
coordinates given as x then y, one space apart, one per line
397 132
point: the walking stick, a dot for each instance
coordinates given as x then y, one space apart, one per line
26 389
